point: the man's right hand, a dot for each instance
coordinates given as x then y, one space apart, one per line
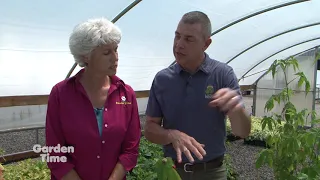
184 143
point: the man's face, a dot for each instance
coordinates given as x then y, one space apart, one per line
189 43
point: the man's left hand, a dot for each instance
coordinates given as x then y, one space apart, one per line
227 100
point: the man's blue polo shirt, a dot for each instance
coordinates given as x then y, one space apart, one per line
182 100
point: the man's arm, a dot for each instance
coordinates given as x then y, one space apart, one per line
153 131
239 118
240 123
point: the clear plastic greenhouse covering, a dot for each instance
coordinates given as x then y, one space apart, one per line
34 53
266 86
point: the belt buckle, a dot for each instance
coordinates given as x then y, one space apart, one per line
185 167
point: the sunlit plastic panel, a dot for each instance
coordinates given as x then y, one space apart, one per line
35 37
251 77
262 51
148 32
264 94
34 52
282 55
231 41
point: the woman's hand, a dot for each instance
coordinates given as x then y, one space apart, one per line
71 175
118 173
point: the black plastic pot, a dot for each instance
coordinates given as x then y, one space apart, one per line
231 137
255 142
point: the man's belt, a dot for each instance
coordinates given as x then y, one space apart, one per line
189 167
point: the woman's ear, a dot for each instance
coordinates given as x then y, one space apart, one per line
85 58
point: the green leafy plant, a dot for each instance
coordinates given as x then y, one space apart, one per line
293 150
32 169
166 169
1 167
149 155
257 133
256 130
231 173
1 172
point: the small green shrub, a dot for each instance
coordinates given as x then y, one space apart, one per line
257 133
231 173
31 169
149 154
293 152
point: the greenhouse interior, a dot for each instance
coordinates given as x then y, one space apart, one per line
273 47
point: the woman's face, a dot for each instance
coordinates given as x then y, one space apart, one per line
104 59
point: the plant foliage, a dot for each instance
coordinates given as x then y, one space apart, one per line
293 152
166 169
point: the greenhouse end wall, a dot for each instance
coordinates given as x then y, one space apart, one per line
17 117
266 86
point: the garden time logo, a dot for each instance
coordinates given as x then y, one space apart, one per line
45 152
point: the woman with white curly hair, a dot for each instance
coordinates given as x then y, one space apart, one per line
94 112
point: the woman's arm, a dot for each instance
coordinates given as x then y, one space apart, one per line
118 172
130 148
71 175
54 136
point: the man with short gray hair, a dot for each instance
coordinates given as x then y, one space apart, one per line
191 100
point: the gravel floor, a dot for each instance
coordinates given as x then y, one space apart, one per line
20 141
243 160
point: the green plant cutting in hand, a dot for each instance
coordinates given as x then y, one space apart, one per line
166 169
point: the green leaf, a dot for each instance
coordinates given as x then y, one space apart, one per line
310 139
277 98
270 125
307 87
300 82
265 157
269 104
302 176
295 64
273 67
166 170
261 159
315 121
264 122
